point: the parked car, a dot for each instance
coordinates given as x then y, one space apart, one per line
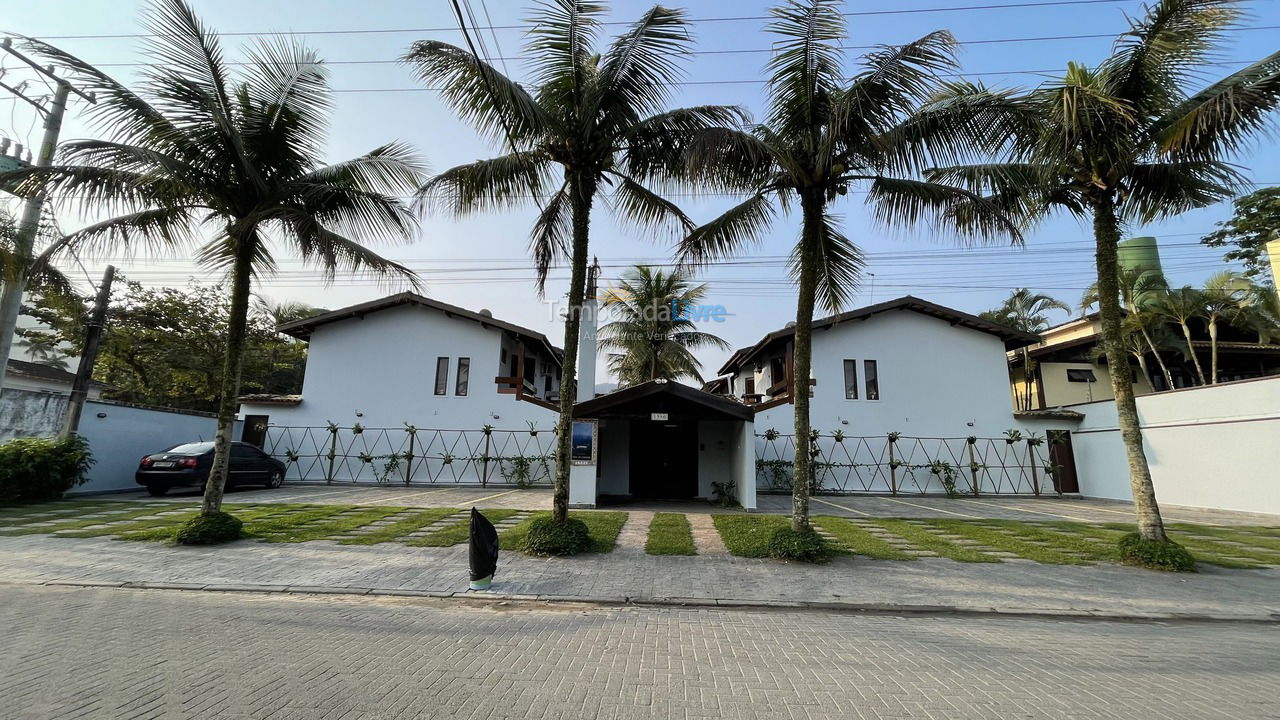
188 465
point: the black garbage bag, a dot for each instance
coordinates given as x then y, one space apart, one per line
484 551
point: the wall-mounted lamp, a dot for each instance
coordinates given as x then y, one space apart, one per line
359 414
101 415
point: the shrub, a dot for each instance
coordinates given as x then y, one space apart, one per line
548 537
1168 555
210 529
36 469
787 544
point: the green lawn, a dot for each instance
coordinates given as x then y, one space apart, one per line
459 531
851 538
748 535
400 528
603 527
669 534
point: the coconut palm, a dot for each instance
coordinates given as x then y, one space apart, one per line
1262 312
823 134
1180 306
1130 141
196 147
597 119
1224 296
1138 287
1026 311
655 335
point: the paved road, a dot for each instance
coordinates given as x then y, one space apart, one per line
107 653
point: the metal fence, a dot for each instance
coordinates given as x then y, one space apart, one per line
896 464
415 456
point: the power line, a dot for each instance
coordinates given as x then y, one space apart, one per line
736 18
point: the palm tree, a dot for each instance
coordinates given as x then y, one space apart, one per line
1127 142
1026 311
241 157
600 118
1138 287
655 334
823 134
1224 295
283 311
1180 306
1262 312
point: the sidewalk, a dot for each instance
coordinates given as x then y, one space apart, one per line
926 585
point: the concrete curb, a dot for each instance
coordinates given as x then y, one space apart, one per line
492 598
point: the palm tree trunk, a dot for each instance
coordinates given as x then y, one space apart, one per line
228 401
1168 376
1195 359
802 360
1106 237
581 192
1213 350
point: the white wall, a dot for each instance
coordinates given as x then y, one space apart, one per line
935 379
715 454
30 413
120 439
384 367
1216 446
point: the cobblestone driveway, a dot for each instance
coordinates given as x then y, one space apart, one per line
95 653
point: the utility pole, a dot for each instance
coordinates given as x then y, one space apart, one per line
29 225
92 338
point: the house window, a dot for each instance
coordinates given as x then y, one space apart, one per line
546 384
777 371
850 379
1083 375
872 378
749 385
442 375
464 376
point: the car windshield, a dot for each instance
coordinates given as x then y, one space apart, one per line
194 448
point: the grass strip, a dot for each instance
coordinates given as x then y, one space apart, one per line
603 528
925 539
166 532
748 535
1219 553
459 531
400 528
80 523
857 540
1007 542
1232 534
1069 538
1203 551
670 534
295 530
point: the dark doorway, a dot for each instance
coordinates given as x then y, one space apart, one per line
664 459
255 430
1063 459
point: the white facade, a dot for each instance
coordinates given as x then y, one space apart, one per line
379 369
935 379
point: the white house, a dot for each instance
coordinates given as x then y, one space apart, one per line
411 359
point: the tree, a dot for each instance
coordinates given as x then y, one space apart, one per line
1180 306
1139 288
1026 311
1224 295
655 333
599 118
1128 141
197 147
824 133
1255 223
165 346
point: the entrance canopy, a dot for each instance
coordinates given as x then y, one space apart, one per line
659 396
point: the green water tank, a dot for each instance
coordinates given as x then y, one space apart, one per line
1140 252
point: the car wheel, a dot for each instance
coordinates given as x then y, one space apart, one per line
276 479
156 489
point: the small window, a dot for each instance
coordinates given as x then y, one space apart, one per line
546 384
850 379
777 371
503 356
464 376
1083 375
872 378
442 375
749 385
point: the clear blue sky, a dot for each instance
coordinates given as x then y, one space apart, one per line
482 262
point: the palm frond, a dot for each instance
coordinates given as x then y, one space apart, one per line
153 230
497 183
963 122
658 147
640 68
805 68
330 252
466 83
735 230
1222 118
561 44
902 202
896 79
286 78
552 233
393 168
726 159
839 264
641 205
1157 190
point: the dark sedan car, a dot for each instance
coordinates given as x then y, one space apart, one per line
188 465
